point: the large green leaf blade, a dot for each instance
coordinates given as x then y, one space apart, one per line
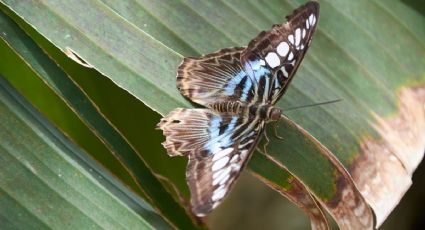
47 72
43 172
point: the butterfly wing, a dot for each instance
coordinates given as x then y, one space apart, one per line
275 55
218 76
218 146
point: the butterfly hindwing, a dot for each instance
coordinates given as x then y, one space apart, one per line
218 147
276 54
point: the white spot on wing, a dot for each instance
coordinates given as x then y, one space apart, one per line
222 153
219 193
223 176
303 33
220 163
201 214
297 36
223 179
222 172
290 56
283 49
285 74
214 206
243 154
272 59
314 20
310 19
291 38
236 167
234 158
307 25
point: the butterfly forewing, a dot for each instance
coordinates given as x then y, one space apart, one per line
218 147
276 54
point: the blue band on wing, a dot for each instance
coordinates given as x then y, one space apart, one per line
218 141
245 91
229 89
260 76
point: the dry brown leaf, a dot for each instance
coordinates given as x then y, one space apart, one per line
384 168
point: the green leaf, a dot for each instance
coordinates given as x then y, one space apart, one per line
45 73
43 172
368 53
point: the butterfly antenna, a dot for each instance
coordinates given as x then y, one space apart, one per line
311 105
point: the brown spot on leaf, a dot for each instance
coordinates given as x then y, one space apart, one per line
383 169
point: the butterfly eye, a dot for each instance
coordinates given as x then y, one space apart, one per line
275 114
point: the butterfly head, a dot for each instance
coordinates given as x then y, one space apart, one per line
275 114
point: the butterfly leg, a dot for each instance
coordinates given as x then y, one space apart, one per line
275 127
267 142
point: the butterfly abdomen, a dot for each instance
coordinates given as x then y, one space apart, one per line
262 111
232 107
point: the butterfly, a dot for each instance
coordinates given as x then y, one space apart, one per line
239 87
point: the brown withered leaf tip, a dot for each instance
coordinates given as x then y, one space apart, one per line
384 168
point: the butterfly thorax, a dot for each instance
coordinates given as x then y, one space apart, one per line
262 111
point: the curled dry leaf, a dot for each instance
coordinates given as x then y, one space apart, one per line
347 206
384 168
290 187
